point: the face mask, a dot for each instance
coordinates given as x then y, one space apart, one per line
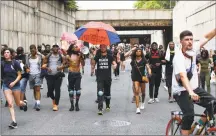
190 53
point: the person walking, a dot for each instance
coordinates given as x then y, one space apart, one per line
54 63
204 70
10 76
21 57
170 53
33 67
104 61
139 77
156 59
74 58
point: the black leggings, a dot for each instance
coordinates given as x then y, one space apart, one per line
74 87
116 71
169 83
54 84
187 107
103 87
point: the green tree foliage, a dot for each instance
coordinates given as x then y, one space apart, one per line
71 4
156 4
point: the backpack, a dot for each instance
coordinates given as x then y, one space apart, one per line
3 65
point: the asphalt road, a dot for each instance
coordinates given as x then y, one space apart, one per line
121 120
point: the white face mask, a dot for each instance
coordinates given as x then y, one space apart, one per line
190 52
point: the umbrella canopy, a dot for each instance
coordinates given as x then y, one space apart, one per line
66 39
98 33
69 37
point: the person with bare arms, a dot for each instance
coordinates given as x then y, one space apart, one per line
33 67
44 71
104 61
74 58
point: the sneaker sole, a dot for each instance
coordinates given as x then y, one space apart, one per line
12 127
100 113
138 112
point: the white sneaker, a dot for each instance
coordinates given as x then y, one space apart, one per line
115 78
157 100
138 111
151 101
142 106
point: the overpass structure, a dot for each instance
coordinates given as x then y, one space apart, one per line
130 19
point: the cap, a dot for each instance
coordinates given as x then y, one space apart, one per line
55 45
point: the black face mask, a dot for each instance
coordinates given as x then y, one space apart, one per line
19 52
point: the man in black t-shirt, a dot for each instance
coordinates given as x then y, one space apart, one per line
21 57
104 60
156 60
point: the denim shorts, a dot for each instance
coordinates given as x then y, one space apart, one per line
34 80
23 84
15 88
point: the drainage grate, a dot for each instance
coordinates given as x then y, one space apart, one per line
112 123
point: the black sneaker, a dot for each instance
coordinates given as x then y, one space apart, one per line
37 107
13 125
71 108
77 107
21 107
25 108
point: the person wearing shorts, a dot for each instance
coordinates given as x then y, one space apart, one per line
33 64
10 76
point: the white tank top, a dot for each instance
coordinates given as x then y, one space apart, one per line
34 66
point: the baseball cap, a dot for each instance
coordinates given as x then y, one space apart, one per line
55 45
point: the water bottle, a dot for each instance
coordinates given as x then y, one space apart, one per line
196 129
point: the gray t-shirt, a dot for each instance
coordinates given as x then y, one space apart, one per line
54 62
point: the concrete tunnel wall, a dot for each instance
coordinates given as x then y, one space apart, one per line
199 18
20 26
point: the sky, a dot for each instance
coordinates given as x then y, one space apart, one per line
105 4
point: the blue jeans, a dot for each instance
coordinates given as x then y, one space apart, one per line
15 88
23 84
